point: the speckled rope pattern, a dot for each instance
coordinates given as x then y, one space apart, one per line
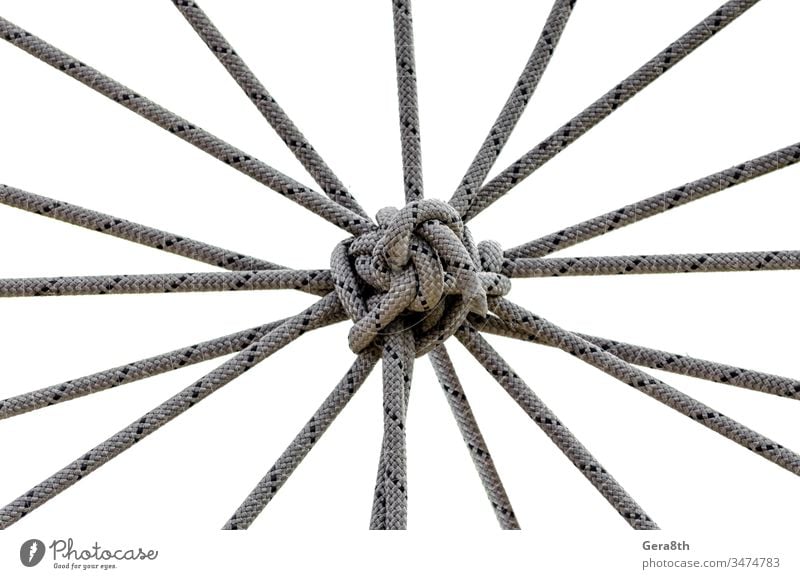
268 486
653 387
130 231
406 66
518 100
133 371
639 264
180 127
408 281
657 204
662 360
473 438
267 106
212 281
544 418
314 317
523 167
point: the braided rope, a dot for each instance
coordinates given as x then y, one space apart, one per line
473 438
410 144
544 418
214 146
419 265
390 501
305 440
314 281
603 107
643 264
269 343
657 204
507 120
653 387
267 106
667 361
408 283
133 371
130 231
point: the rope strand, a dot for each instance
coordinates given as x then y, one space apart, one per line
666 361
390 503
473 438
302 444
498 136
133 371
205 141
653 387
172 408
605 105
544 418
644 264
658 204
410 142
130 231
267 106
313 281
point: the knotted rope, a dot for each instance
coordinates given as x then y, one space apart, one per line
408 283
419 266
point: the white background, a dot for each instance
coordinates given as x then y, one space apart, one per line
331 66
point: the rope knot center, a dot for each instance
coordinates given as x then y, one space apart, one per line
419 267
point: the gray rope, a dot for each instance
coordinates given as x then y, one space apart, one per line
603 107
473 438
657 204
698 368
390 502
407 100
305 440
643 264
653 387
666 361
419 262
268 107
517 101
133 371
408 283
544 418
101 454
250 166
315 281
130 231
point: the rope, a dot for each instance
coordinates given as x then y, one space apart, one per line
314 281
130 231
268 107
390 502
473 438
464 196
305 440
660 203
311 318
133 371
418 265
411 147
544 418
603 107
653 387
642 264
666 361
408 283
214 146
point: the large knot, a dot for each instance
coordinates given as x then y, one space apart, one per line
419 267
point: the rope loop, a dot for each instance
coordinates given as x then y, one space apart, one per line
419 266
